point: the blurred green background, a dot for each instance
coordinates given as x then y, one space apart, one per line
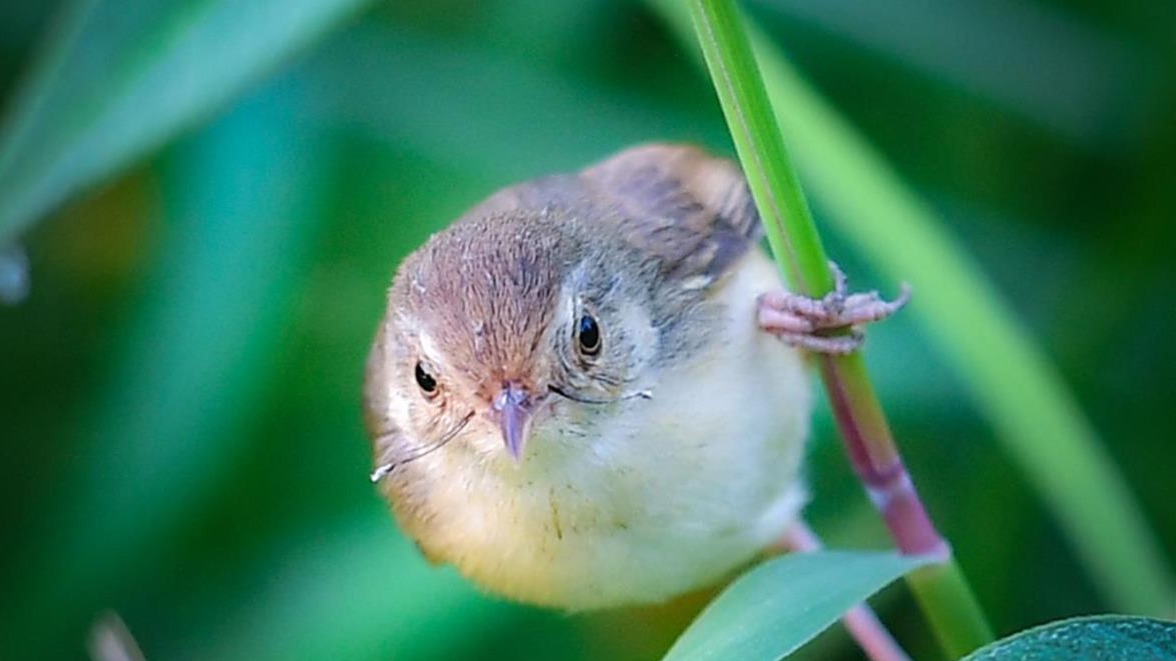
180 436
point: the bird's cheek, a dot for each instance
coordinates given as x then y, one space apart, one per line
553 413
484 436
560 428
560 415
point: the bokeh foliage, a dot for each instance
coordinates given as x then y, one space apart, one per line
179 427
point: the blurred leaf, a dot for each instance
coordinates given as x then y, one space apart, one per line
168 420
1040 424
118 78
783 603
415 90
14 274
352 591
1102 638
1041 63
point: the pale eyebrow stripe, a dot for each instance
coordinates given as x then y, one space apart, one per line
431 354
434 359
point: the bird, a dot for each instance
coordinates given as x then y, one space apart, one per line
592 390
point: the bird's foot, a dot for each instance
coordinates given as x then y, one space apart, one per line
820 324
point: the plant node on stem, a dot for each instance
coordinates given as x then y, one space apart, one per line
879 466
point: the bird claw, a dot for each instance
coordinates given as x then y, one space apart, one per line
813 323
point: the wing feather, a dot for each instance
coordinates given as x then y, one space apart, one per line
691 210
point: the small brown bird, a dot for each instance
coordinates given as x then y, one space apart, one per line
572 396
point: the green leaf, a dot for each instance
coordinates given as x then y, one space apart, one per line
1101 638
783 603
118 79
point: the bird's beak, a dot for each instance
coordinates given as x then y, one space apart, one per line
514 408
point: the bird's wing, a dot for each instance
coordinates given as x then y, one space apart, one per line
690 210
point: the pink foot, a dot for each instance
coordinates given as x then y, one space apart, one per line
811 323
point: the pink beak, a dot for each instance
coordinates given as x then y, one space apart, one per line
514 408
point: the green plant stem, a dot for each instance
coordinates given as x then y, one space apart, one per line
773 182
958 623
944 595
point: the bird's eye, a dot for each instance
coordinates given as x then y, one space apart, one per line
426 381
588 335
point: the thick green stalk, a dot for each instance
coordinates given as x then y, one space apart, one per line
943 594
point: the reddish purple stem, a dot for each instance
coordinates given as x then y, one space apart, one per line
880 468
